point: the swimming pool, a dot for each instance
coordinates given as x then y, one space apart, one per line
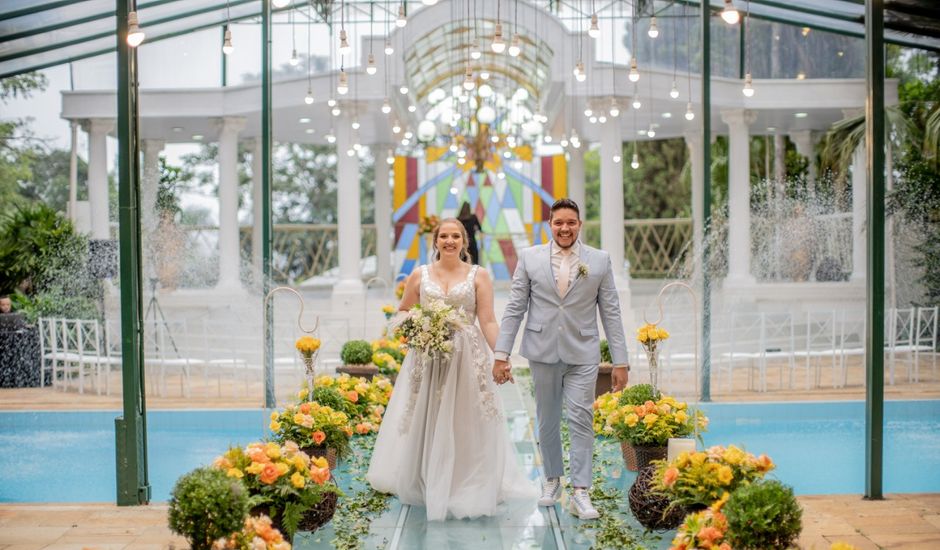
818 447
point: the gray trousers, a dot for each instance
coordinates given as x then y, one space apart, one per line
574 384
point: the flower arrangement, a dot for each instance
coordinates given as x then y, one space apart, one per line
389 310
386 363
308 346
281 478
653 423
705 530
430 329
392 346
649 336
257 534
705 477
367 398
604 406
400 289
311 424
428 224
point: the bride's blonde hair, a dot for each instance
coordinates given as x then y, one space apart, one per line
465 244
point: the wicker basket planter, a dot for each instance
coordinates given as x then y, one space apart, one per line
653 509
327 452
636 458
311 520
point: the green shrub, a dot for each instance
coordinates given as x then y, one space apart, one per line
356 352
605 352
206 505
330 396
639 394
763 515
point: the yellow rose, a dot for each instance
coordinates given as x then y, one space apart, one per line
255 468
299 462
298 480
272 450
274 415
725 475
320 462
282 468
650 419
631 419
235 472
697 459
733 455
302 394
681 417
275 426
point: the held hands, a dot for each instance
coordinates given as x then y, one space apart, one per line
501 372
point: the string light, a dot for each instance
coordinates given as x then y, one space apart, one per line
595 30
689 113
634 71
342 88
730 13
402 19
135 36
371 69
653 31
386 106
498 46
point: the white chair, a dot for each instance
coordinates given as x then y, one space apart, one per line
821 343
917 335
744 336
900 339
777 343
47 350
79 350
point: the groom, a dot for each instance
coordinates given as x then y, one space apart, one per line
561 286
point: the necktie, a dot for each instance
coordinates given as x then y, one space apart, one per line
564 272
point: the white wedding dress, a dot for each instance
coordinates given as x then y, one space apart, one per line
444 443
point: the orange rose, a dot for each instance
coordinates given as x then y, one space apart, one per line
708 534
362 428
670 476
270 473
320 475
318 437
348 431
353 396
305 408
258 454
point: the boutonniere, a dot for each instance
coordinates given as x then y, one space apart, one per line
582 270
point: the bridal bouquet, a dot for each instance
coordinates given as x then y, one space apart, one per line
430 329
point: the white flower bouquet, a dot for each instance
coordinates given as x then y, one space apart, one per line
430 329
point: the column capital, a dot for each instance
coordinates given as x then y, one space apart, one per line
804 141
738 117
693 138
231 124
98 125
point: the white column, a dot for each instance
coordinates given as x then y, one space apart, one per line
73 172
805 142
97 129
859 206
383 213
739 195
693 141
149 184
229 254
612 194
348 290
576 176
257 209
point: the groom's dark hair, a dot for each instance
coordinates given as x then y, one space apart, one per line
565 203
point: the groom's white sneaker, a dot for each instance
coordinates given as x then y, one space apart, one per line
551 490
581 505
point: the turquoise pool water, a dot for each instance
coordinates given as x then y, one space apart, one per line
818 447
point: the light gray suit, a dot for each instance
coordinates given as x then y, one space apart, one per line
562 344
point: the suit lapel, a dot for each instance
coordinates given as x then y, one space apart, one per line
546 262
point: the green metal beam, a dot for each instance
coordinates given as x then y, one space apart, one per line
130 429
66 23
35 9
270 400
874 327
706 391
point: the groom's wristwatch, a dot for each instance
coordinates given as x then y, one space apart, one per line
501 356
623 367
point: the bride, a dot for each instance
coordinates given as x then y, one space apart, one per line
443 442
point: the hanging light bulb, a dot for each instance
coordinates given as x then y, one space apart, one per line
135 36
336 111
651 132
498 46
579 73
636 102
635 163
748 89
294 60
386 106
280 3
468 83
409 134
593 120
515 47
616 159
452 148
634 71
563 141
653 31
614 108
594 31
390 160
484 75
396 128
330 138
350 152
402 19
371 69
730 13
588 112
602 119
355 124
403 90
475 52
357 146
343 43
227 47
389 50
331 102
308 99
674 92
689 113
429 2
342 88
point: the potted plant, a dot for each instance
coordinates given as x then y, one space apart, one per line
205 505
764 514
257 532
649 426
634 396
294 490
357 359
705 477
318 429
604 383
367 399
